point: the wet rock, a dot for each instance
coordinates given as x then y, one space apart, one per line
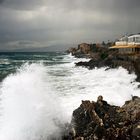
136 132
101 121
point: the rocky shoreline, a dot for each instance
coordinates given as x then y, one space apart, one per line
105 57
114 62
102 121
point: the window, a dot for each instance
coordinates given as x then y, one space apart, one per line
137 39
130 39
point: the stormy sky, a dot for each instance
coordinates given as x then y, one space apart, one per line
37 24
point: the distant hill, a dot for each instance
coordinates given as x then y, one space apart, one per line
53 48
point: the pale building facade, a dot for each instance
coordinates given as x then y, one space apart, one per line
128 45
84 47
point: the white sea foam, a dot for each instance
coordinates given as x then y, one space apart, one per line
79 83
29 109
37 97
4 61
116 86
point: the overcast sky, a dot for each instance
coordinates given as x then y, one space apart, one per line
29 24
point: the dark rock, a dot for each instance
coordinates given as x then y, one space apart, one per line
136 132
101 121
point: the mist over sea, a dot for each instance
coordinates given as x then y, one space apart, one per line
39 91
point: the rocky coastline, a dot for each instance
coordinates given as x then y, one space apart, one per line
102 56
102 121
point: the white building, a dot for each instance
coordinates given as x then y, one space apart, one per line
128 44
134 40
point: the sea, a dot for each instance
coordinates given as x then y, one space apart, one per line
39 91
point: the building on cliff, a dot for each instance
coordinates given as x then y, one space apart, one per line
129 45
84 48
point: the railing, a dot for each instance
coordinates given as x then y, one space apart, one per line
123 43
133 43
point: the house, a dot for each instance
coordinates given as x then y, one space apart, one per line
129 45
84 48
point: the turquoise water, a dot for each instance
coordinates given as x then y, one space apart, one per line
11 61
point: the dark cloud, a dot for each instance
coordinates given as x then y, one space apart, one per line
23 4
1 1
32 23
